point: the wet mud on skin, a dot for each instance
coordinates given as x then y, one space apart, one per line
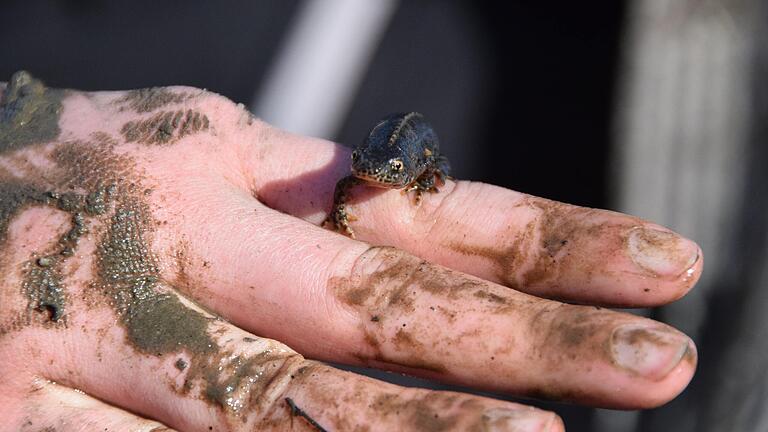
157 322
29 113
42 282
238 384
165 127
103 193
151 99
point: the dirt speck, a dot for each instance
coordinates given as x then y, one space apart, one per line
180 364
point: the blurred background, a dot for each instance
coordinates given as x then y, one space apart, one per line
651 107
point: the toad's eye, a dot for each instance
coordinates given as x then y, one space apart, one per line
355 155
396 165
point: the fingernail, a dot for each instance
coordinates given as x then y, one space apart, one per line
524 419
662 253
650 352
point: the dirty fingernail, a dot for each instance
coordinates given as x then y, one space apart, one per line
649 352
523 419
662 253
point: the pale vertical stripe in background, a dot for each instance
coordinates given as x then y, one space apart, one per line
681 133
311 85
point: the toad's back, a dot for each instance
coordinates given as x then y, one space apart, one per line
397 151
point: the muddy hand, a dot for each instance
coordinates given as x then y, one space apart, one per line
148 236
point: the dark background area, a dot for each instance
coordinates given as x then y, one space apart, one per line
523 90
521 94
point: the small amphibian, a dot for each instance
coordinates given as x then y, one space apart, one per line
400 152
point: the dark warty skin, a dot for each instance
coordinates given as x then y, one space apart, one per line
401 152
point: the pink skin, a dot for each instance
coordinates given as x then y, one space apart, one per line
229 202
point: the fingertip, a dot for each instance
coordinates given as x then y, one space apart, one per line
557 424
658 386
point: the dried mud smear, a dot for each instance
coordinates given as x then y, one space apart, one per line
165 127
150 99
391 292
29 113
542 250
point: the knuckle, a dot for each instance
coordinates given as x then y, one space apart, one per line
380 279
436 208
247 386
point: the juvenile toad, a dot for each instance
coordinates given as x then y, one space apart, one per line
400 152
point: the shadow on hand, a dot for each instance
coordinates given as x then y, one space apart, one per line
310 194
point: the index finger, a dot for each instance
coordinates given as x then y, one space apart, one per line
535 245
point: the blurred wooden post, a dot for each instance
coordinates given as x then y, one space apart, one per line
682 129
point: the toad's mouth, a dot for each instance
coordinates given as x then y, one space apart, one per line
379 179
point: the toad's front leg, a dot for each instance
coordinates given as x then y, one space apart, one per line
338 218
429 181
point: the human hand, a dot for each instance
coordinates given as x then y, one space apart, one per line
148 236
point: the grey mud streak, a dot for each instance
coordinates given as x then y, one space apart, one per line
112 206
29 112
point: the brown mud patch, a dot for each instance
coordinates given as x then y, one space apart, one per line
404 301
151 99
165 127
553 243
569 329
